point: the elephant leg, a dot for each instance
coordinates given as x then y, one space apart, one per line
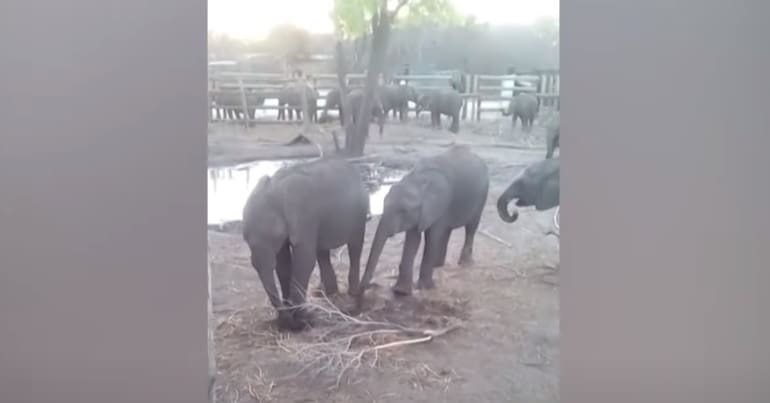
355 247
252 113
513 122
433 237
441 255
551 147
268 282
283 269
435 118
281 112
405 277
302 263
466 255
455 123
328 278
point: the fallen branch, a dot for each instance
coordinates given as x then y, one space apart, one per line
347 341
494 238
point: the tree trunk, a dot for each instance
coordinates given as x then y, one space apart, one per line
347 119
380 35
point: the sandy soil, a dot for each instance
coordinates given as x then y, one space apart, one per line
507 348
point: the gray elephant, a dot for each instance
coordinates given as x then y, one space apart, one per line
537 185
290 98
525 107
230 104
356 99
294 219
442 102
396 98
552 136
440 194
333 100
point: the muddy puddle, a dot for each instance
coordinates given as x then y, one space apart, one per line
230 186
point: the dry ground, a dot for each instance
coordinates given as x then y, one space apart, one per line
507 348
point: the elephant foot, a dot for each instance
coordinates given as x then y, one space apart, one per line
401 290
294 320
426 284
332 291
466 261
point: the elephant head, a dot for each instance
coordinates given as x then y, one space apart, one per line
415 203
537 185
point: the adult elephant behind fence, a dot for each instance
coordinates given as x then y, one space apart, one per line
290 99
230 104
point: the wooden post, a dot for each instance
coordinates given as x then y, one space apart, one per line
244 105
477 91
305 106
466 79
557 100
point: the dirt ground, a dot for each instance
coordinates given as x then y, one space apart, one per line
506 348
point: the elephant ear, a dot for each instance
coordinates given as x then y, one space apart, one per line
549 193
435 199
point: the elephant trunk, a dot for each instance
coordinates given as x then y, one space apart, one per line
374 256
502 206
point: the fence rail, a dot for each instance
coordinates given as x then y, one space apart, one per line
240 95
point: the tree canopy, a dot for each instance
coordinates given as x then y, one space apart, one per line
352 18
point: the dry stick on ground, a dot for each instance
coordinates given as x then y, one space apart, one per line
494 237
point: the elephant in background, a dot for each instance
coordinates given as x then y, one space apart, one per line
441 193
396 98
230 104
537 185
525 107
333 100
290 98
442 102
294 219
356 98
552 136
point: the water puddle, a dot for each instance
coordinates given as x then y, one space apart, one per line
230 186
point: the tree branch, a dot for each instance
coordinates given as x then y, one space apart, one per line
392 14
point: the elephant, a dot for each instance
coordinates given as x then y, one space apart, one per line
525 107
294 219
291 95
442 102
396 98
333 101
356 98
230 104
440 194
552 137
537 185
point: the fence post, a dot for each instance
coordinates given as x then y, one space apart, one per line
244 105
557 93
466 78
477 92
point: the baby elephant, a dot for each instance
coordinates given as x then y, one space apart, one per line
294 219
442 102
440 194
537 185
524 107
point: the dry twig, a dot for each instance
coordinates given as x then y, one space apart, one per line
495 238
